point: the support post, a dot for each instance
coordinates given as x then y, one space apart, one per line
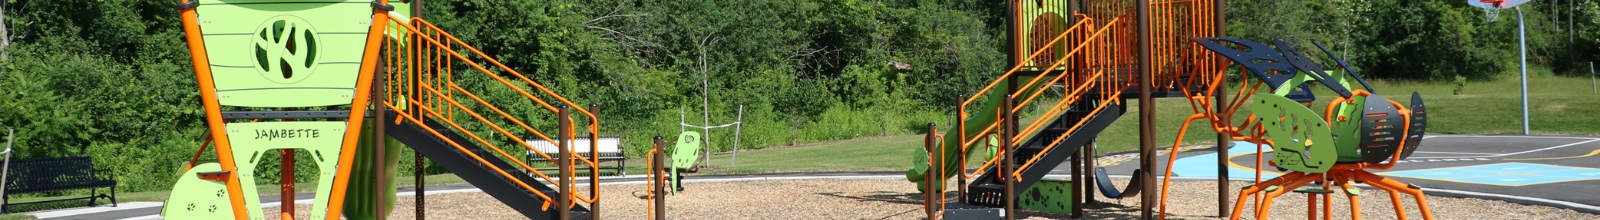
381 159
1088 169
961 136
738 125
1077 178
1147 131
1592 85
1223 139
421 200
286 180
286 186
564 162
594 171
5 170
417 168
1009 124
658 186
928 185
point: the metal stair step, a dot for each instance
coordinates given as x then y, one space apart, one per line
494 183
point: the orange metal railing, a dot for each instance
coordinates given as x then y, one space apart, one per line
1080 31
421 62
1100 67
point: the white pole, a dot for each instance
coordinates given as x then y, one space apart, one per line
705 107
681 122
6 169
1522 40
1592 85
738 125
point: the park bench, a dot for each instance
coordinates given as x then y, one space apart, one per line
608 152
56 174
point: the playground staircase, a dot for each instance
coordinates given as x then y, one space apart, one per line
1089 53
987 190
421 137
479 140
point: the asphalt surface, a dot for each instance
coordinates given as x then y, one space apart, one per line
1548 169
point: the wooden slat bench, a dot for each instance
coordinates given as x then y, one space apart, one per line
609 151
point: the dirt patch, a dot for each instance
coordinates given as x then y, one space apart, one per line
1558 107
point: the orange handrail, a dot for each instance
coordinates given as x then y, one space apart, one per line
1180 66
433 51
593 127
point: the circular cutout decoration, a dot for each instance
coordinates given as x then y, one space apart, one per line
285 49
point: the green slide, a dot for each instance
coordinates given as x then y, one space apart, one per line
978 118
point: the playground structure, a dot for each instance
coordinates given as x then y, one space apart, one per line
1105 52
262 64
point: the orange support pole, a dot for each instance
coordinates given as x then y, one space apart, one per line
358 107
208 98
286 170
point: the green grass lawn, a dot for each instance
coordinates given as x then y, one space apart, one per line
1557 105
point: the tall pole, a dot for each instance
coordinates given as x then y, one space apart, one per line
5 36
659 186
594 173
1147 108
928 189
420 199
705 105
961 137
1221 95
564 160
381 159
1522 41
1008 154
286 180
1592 85
6 169
738 124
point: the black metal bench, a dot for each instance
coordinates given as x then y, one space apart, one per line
57 174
